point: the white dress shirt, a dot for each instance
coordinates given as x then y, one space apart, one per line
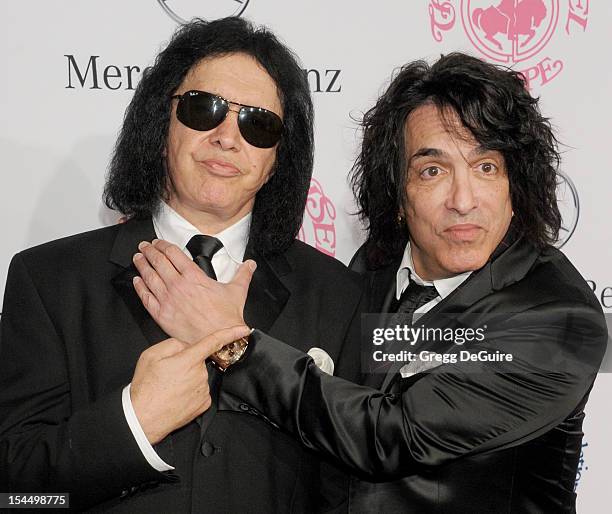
444 286
175 229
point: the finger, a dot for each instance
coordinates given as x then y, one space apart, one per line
183 264
162 265
243 276
151 278
167 348
212 343
147 298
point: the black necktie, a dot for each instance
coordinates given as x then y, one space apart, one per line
415 296
202 248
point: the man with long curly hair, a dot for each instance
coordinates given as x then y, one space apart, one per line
97 399
476 402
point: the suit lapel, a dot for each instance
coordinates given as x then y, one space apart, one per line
509 267
477 286
126 245
267 294
382 287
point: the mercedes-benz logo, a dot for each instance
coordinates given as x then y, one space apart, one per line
182 11
569 206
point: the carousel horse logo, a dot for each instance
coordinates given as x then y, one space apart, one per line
516 33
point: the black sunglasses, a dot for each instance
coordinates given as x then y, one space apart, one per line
200 110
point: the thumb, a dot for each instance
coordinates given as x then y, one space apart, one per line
243 276
212 343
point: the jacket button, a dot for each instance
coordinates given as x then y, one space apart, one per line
207 449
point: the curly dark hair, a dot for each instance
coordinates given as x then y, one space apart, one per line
494 105
137 176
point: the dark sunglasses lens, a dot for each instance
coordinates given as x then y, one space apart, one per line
201 111
259 127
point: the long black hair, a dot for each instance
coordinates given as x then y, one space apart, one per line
137 177
495 106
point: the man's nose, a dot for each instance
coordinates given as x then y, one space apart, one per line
462 196
227 134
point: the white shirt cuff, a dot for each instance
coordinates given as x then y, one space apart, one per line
143 443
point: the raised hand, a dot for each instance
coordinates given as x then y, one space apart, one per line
181 298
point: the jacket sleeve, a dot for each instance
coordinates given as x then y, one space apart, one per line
456 409
46 445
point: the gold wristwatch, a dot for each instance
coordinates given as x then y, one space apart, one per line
230 354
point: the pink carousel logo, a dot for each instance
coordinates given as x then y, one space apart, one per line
318 228
516 33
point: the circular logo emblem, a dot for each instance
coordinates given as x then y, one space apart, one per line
569 206
516 33
318 228
509 31
182 11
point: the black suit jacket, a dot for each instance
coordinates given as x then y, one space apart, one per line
72 331
464 437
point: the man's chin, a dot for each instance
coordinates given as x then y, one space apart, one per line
464 263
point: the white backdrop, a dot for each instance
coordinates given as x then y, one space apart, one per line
57 132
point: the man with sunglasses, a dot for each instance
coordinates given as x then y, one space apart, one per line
96 399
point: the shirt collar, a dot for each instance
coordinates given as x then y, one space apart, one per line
172 227
406 272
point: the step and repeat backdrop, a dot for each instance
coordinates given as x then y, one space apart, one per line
69 69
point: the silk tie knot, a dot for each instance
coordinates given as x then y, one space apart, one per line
202 248
415 296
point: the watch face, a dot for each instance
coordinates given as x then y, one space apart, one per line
230 354
183 11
